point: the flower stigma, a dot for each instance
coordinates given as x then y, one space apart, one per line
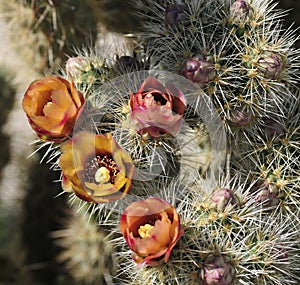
145 230
101 169
102 175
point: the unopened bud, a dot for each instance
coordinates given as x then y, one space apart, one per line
240 117
268 194
75 66
239 10
217 270
221 198
271 65
125 64
199 68
175 15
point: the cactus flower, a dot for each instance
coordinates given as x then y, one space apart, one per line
95 168
217 271
52 105
156 109
151 229
199 68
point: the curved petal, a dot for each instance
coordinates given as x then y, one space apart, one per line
150 84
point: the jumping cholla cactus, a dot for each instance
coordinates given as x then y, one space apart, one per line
87 253
140 139
45 31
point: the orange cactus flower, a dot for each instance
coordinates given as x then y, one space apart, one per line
151 229
95 167
51 105
156 109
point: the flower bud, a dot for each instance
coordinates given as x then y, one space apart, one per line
75 66
273 128
271 65
239 10
268 194
221 198
125 64
199 68
217 270
239 117
175 15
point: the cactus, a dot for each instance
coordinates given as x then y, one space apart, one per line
45 31
204 79
7 94
86 253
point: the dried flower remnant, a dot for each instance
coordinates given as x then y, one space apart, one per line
156 109
52 105
151 229
96 168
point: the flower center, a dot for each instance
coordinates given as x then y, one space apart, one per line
102 175
155 99
101 169
145 230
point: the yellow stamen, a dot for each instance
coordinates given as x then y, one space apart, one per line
102 175
145 230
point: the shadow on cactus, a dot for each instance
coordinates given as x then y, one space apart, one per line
48 30
7 99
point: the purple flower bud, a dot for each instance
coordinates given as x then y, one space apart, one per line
125 64
199 68
239 10
268 194
239 117
221 198
217 270
175 15
271 65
